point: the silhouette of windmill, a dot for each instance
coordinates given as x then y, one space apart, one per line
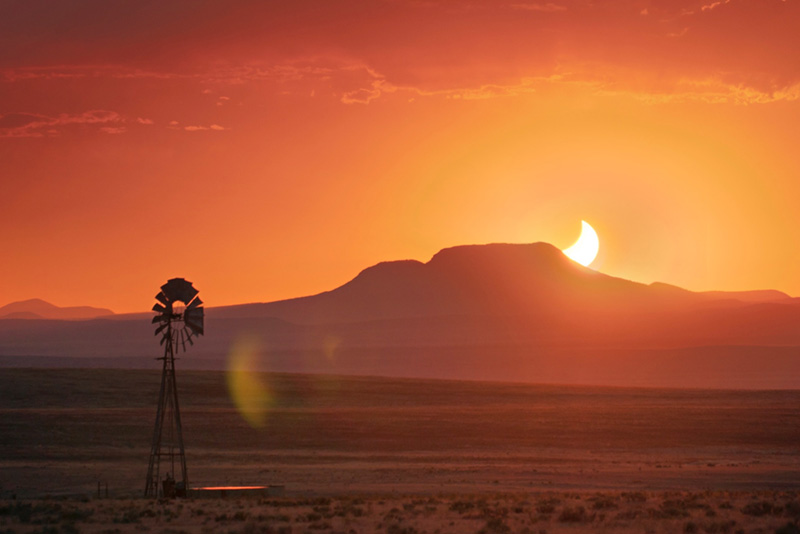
179 315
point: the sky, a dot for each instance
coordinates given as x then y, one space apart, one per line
269 150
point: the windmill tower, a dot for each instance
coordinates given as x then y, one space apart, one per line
179 315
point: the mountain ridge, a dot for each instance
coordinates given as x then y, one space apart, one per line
500 312
37 308
456 280
481 278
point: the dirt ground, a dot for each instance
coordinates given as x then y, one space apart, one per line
367 454
491 513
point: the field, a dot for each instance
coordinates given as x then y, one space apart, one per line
400 455
624 512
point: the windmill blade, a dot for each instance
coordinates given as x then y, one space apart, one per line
163 339
196 328
189 338
159 308
188 292
161 328
194 304
179 289
159 319
194 319
195 323
162 298
183 342
194 314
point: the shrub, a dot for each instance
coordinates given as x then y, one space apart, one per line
792 508
636 496
722 527
788 528
604 503
462 506
761 508
575 515
495 525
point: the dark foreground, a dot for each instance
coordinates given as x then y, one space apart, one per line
540 513
64 431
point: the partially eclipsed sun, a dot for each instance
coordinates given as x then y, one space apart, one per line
584 251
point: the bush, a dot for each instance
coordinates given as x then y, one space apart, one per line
761 508
788 528
462 506
575 515
604 503
722 527
495 525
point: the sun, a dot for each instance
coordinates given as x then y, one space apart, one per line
584 251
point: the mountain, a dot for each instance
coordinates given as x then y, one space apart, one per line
528 282
40 309
491 312
497 279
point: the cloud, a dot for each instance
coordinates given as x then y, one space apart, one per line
214 127
365 95
21 120
714 5
34 125
473 50
712 91
140 120
544 8
59 72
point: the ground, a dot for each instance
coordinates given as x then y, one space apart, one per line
550 512
368 454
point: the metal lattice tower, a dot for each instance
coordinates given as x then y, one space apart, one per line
179 315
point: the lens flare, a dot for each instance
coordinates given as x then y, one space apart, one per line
329 347
250 394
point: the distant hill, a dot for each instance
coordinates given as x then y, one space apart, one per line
501 280
496 312
40 309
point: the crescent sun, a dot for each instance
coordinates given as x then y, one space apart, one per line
584 251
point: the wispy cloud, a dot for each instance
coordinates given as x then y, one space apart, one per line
711 91
57 72
549 7
34 125
379 86
714 5
213 127
113 129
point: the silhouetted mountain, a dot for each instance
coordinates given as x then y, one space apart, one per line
40 309
498 280
500 312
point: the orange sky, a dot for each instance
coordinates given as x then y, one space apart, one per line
267 150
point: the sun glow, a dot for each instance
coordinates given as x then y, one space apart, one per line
584 251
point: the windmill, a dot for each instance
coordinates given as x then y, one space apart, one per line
179 316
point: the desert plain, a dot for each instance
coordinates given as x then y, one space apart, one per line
369 454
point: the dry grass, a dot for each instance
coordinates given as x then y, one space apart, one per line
652 512
401 457
66 430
